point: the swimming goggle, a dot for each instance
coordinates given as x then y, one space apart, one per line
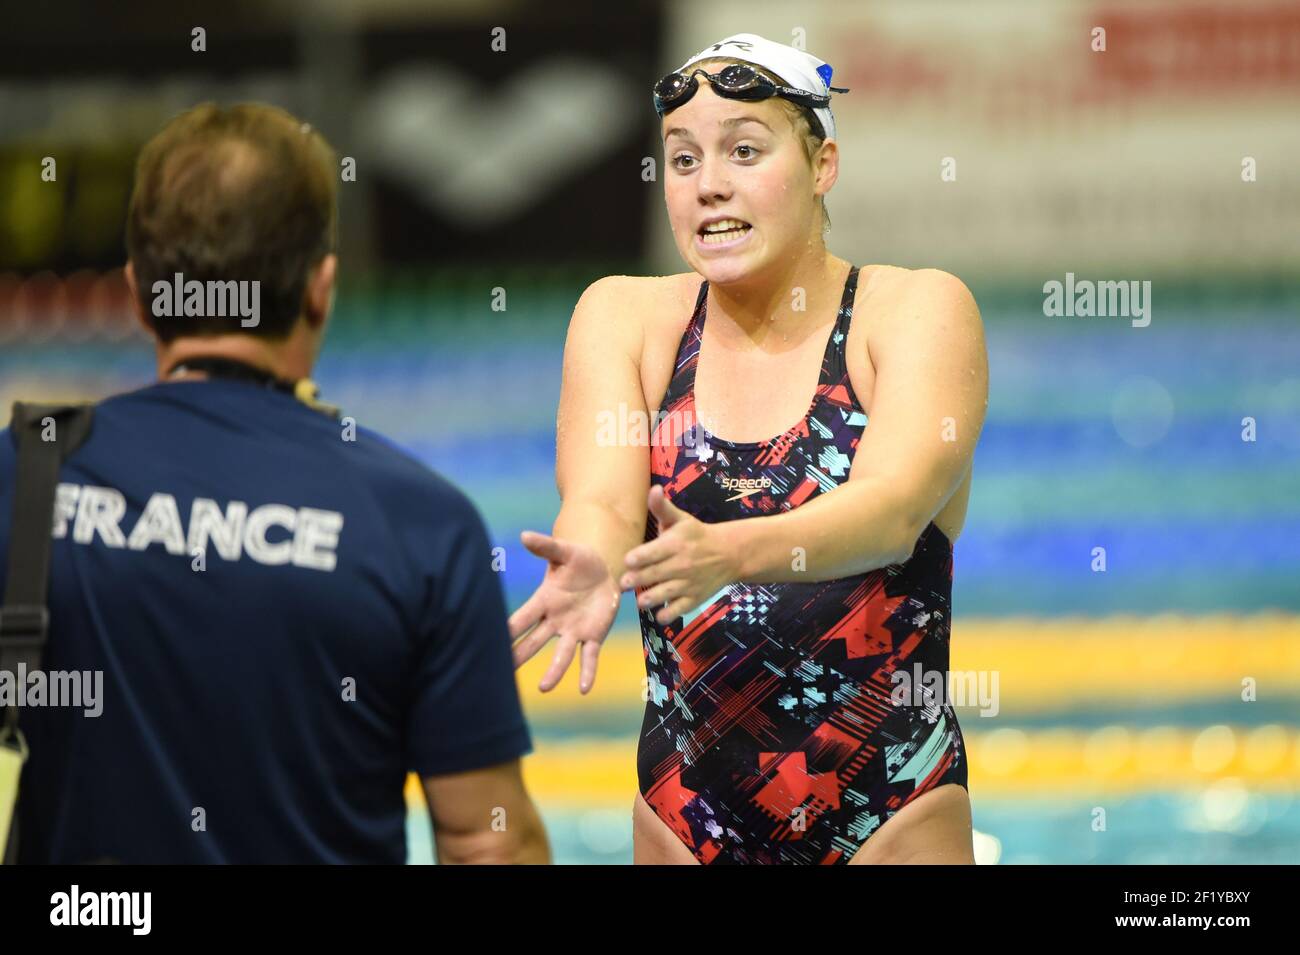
736 81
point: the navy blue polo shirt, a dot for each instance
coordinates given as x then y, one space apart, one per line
288 616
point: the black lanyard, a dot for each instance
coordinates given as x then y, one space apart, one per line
304 389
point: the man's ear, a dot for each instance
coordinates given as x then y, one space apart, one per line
319 295
137 306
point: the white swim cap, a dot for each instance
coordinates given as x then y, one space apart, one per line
797 69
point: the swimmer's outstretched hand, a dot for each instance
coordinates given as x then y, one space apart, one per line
684 566
576 601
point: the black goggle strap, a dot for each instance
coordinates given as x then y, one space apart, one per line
756 81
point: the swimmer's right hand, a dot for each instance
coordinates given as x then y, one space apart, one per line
576 601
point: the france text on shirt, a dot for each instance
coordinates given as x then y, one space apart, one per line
310 537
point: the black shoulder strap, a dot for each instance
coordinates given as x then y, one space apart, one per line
45 435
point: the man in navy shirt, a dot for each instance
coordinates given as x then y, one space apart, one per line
288 612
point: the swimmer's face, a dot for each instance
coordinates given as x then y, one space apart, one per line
744 161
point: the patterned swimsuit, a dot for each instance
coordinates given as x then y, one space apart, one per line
770 735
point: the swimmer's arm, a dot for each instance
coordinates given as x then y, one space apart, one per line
927 412
602 483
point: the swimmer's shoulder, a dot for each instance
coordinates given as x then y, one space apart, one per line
893 304
633 308
892 283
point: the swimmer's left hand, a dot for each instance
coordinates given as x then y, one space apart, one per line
685 565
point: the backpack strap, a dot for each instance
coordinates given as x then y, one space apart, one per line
45 436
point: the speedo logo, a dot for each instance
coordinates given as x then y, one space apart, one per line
745 486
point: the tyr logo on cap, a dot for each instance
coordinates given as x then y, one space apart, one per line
740 44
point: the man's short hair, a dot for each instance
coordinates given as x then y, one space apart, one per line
243 193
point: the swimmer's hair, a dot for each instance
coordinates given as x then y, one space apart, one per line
244 193
802 119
